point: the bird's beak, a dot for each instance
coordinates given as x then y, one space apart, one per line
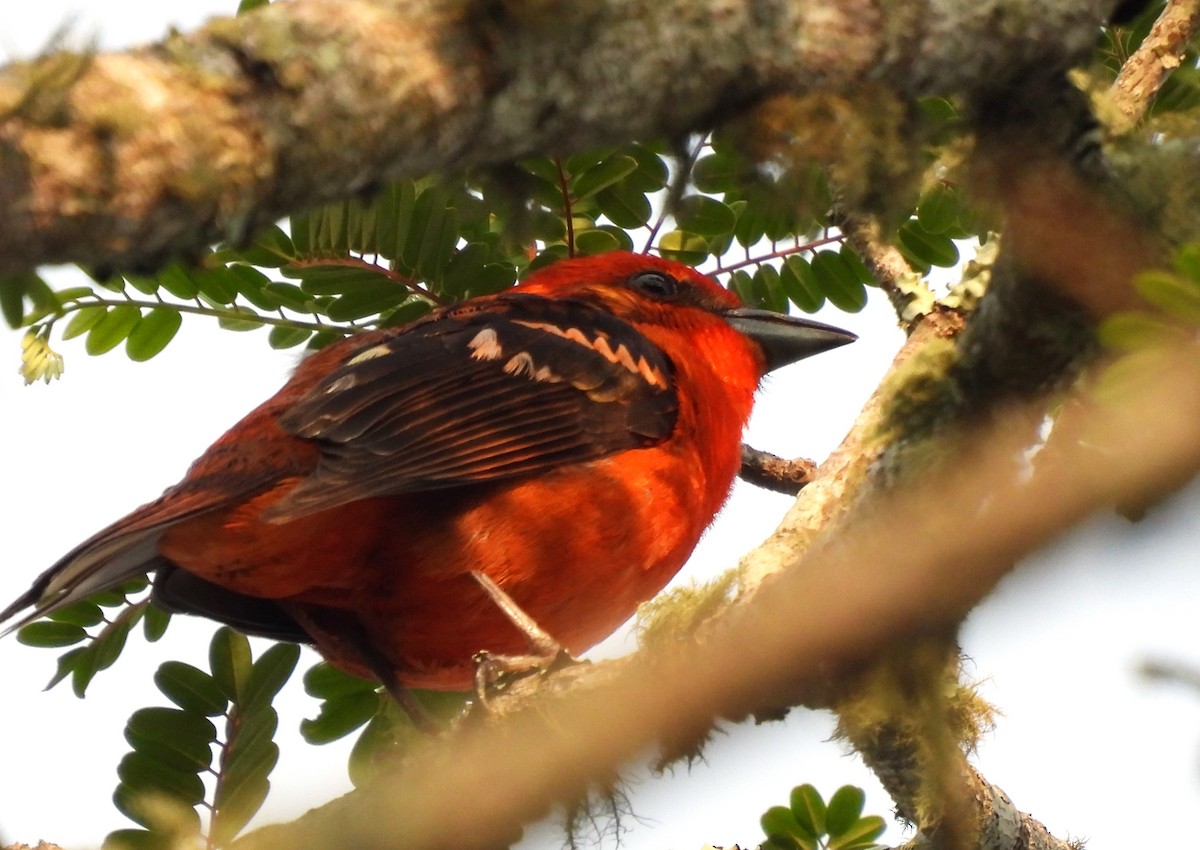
786 339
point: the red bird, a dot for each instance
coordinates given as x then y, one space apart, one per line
512 474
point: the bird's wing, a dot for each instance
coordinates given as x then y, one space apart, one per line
514 386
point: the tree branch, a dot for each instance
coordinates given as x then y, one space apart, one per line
121 161
771 472
1144 73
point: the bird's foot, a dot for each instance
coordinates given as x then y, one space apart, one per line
494 673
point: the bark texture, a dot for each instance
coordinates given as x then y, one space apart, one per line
120 161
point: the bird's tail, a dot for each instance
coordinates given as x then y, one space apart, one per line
106 560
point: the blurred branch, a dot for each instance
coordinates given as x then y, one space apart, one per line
1172 671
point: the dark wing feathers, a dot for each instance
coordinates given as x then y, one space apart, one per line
479 395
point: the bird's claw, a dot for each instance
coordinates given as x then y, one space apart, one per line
494 673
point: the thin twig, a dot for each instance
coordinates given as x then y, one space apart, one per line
771 472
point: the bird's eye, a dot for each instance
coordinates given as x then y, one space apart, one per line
655 284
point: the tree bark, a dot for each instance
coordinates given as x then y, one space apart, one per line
121 161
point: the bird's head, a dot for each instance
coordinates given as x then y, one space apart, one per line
648 291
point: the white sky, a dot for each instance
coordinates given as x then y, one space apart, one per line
1083 744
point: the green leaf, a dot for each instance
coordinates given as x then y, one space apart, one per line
698 214
624 240
603 174
250 323
140 773
925 249
809 810
48 634
428 213
359 305
375 744
288 295
323 681
769 289
251 284
405 313
270 250
235 809
73 293
189 754
229 660
838 281
12 296
687 248
118 596
464 267
184 731
938 211
282 336
269 673
652 173
716 173
336 279
144 285
339 716
175 279
856 265
779 844
492 278
85 613
548 255
742 285
66 665
1130 331
105 648
859 835
219 285
844 809
800 283
437 246
624 206
84 320
155 622
394 207
137 804
190 688
1186 261
361 226
1175 294
751 223
152 333
591 242
579 162
322 338
112 329
137 839
246 761
780 826
250 750
937 109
